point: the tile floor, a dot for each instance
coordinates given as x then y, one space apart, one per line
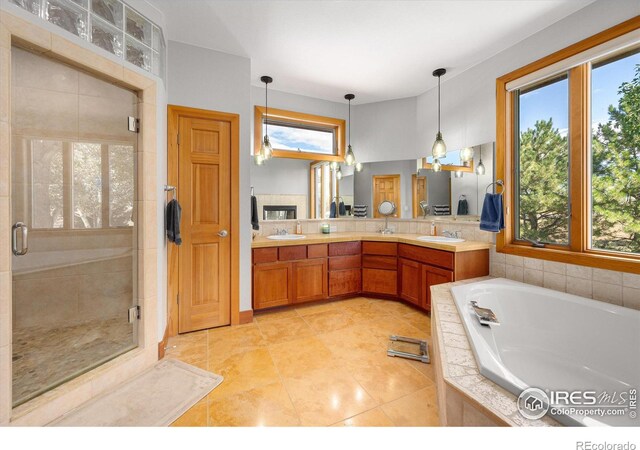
315 365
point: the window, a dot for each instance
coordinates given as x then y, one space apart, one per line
615 154
299 135
568 151
542 162
85 176
325 187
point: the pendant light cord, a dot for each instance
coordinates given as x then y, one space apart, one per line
266 109
438 103
349 122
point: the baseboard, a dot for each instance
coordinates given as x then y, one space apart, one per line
163 343
246 316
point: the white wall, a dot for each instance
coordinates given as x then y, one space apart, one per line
281 176
203 78
468 100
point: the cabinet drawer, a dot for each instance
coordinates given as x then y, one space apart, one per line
427 255
292 253
379 281
379 248
342 282
379 262
344 248
344 262
317 251
265 255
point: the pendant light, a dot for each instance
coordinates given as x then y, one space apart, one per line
439 149
466 154
458 174
480 167
436 166
339 173
266 151
349 157
359 167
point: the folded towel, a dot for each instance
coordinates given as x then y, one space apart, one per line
342 209
255 224
173 214
492 217
332 210
441 210
360 210
463 207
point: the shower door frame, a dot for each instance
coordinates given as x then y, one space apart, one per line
20 31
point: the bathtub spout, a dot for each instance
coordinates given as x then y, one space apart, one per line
485 316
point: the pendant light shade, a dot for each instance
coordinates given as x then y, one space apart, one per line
436 166
466 154
339 173
266 151
480 168
359 167
439 149
349 157
258 159
458 174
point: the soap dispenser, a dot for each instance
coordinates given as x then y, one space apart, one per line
298 228
433 228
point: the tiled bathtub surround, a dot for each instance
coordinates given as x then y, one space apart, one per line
599 284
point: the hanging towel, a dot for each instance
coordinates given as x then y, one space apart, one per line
360 210
173 214
342 209
492 217
463 207
255 224
332 210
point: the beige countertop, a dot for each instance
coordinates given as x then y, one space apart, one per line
459 368
466 246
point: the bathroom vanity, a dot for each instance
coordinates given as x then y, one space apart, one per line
342 265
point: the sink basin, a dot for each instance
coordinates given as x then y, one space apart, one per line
286 237
442 239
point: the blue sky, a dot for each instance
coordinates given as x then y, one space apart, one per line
551 101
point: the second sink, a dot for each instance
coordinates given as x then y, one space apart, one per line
286 237
442 239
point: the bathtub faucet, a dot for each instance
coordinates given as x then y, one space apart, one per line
485 316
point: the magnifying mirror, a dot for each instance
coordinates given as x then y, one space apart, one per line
386 209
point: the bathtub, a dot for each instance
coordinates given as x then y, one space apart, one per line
553 341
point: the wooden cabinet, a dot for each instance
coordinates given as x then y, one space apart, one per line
301 273
380 268
410 281
430 277
272 285
345 277
309 280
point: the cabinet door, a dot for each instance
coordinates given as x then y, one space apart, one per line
430 277
310 280
410 281
343 282
377 281
272 285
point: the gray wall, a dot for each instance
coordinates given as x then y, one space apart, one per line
438 191
203 78
363 184
472 185
281 176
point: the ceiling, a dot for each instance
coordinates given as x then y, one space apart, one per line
379 50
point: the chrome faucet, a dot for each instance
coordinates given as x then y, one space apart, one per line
452 234
281 232
485 316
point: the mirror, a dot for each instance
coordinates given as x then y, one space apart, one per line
387 208
297 189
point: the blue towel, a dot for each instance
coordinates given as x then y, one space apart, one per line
332 210
492 217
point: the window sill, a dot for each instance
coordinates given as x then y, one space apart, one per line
630 264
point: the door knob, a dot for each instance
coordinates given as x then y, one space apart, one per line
223 233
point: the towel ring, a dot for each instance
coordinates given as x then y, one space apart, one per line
172 189
497 182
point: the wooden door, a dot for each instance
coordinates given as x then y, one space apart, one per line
386 187
410 280
432 276
204 191
272 285
310 280
419 192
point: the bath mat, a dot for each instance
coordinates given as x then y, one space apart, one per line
156 397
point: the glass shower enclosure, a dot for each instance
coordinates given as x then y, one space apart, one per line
73 169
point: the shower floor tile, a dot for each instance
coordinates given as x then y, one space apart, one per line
46 357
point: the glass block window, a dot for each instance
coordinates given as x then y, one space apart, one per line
109 24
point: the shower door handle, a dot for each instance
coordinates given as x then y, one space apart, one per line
25 239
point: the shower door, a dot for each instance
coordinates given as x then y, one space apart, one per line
74 219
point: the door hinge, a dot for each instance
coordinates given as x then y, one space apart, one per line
134 313
134 124
178 139
178 299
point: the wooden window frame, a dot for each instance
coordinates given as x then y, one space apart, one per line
450 167
298 119
578 251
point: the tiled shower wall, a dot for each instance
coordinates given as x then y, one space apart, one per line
605 285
